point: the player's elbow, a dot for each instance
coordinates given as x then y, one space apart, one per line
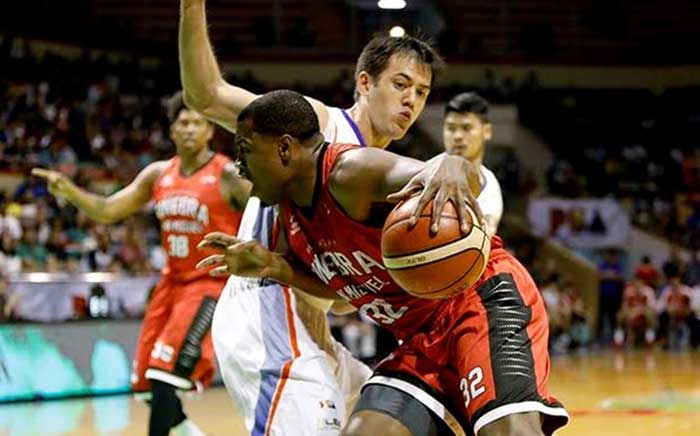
198 102
105 219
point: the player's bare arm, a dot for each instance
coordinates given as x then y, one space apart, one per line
366 176
234 188
105 209
204 87
251 259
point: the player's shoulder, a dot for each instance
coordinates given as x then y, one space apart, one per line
322 111
155 169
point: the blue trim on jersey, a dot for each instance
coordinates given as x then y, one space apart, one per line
262 232
354 129
278 351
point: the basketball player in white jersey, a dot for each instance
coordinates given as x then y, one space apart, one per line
279 362
465 130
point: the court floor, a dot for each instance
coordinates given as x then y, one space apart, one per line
635 393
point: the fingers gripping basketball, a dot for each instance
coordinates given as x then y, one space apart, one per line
433 265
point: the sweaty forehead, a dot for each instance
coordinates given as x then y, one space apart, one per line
409 65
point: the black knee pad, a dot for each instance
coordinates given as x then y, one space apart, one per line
166 409
402 407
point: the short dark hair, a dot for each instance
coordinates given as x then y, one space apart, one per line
470 102
282 112
174 104
374 58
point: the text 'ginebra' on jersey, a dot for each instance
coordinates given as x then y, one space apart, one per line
329 264
182 206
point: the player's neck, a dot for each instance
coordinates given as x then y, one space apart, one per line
189 164
360 115
301 191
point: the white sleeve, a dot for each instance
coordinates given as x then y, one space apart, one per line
491 200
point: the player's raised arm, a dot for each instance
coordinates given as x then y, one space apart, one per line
104 209
380 174
204 87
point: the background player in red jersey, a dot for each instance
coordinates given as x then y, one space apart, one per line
636 319
477 361
194 193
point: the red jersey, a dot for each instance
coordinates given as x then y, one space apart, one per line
346 255
675 299
636 296
189 207
648 274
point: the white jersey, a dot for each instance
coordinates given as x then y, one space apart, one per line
282 368
490 200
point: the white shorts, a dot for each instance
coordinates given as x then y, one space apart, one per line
281 381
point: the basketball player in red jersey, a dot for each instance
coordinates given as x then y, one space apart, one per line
637 316
476 362
194 193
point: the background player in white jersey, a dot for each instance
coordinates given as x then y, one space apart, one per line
465 130
274 345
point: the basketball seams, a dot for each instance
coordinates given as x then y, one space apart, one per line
434 254
466 273
481 251
403 220
451 241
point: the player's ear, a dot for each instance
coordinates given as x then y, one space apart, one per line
284 148
488 131
363 82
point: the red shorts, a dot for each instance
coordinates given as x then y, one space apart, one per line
175 344
483 357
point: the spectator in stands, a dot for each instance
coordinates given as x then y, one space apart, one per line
694 320
636 319
579 329
11 225
8 302
647 272
558 313
610 296
10 262
692 270
103 255
132 252
674 310
98 303
34 255
674 265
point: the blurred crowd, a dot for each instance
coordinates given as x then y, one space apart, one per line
636 146
656 305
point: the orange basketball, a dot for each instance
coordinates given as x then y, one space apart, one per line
433 265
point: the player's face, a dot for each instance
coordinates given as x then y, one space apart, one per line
190 132
260 163
397 97
465 134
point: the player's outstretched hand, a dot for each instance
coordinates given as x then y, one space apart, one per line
449 178
241 258
59 184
